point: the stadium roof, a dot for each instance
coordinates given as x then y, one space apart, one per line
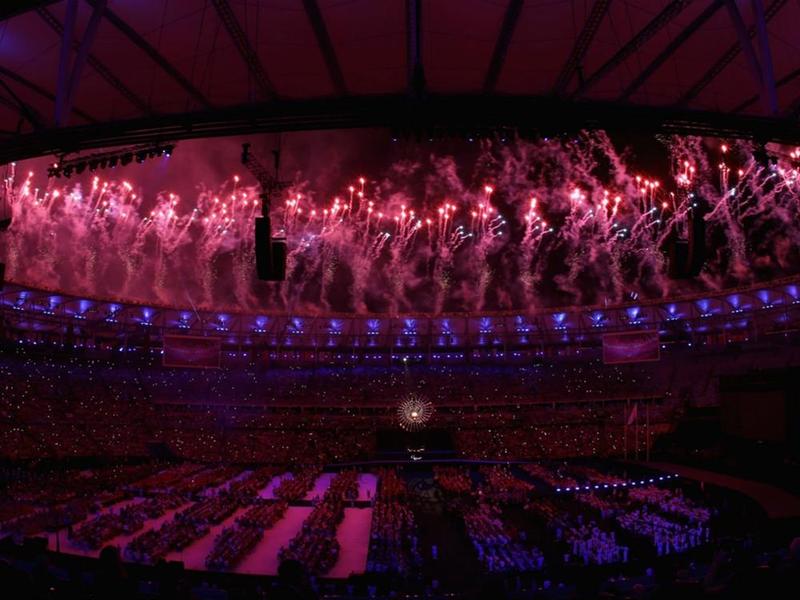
76 74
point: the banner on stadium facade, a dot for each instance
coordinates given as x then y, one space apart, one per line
191 351
630 347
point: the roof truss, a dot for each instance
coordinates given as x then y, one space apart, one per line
97 65
501 45
325 46
575 61
672 47
122 26
246 51
655 25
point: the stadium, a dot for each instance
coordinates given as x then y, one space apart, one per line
441 299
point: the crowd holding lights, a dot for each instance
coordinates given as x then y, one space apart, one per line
160 509
206 415
517 518
378 227
394 545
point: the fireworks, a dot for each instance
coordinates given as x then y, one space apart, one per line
414 412
542 227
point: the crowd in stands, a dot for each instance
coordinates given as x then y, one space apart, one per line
542 440
591 544
670 522
297 486
454 481
95 532
45 501
234 543
594 476
604 504
644 512
393 544
155 544
69 407
316 546
501 485
102 484
48 519
735 572
666 535
587 542
556 478
496 547
166 480
579 528
192 522
205 481
671 501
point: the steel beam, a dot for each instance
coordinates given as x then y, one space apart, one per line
325 46
655 25
672 47
788 78
80 60
25 111
575 61
249 55
99 66
793 111
727 58
13 8
459 114
416 69
510 19
767 72
128 31
746 47
62 80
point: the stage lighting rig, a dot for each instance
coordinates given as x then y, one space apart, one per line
109 159
270 252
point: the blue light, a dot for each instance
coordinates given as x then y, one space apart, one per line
409 327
